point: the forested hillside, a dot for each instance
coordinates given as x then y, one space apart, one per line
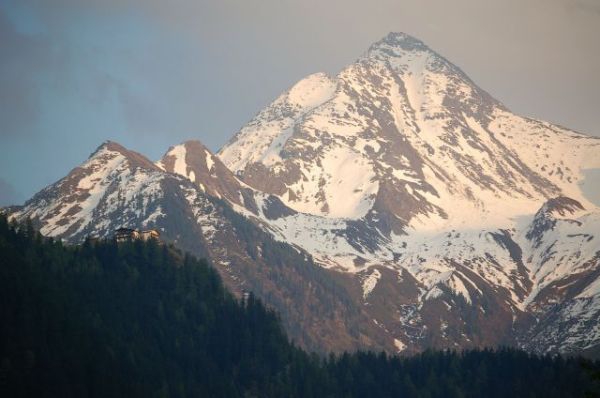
142 319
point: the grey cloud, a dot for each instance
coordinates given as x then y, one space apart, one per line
8 194
588 5
20 58
514 49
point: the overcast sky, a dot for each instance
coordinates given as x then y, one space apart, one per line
150 74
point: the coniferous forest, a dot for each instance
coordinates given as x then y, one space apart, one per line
144 320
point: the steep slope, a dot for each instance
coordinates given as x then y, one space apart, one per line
409 176
144 320
116 187
396 205
562 252
400 135
194 161
114 183
128 320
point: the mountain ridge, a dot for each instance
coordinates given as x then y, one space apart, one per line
434 216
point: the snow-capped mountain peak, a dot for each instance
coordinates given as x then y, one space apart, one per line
68 207
401 132
406 163
434 213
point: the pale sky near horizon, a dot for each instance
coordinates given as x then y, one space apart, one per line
150 74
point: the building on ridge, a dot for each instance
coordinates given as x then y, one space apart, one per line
129 234
126 234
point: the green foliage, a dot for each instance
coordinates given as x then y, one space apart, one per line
142 319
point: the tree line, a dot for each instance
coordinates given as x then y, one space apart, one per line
139 319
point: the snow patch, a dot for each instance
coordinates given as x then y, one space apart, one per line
400 346
209 160
370 282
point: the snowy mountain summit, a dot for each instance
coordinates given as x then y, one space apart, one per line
441 218
402 133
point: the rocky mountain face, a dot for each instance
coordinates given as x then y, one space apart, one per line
396 205
117 188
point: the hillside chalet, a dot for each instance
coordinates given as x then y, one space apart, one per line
128 234
150 234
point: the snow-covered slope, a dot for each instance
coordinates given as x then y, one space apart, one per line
401 161
194 161
404 132
436 217
190 200
112 181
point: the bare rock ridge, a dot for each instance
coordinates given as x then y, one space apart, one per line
393 206
194 161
